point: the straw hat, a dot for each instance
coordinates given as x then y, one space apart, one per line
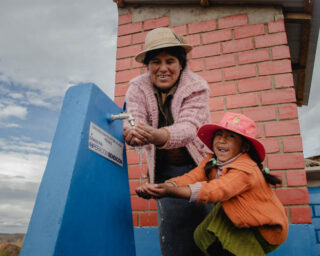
234 122
162 38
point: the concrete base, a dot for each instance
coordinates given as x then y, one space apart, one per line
300 241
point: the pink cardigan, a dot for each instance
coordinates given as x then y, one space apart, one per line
190 110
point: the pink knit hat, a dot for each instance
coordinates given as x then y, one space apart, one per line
234 122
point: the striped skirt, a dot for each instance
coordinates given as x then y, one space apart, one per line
238 241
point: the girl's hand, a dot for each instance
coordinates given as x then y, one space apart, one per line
147 191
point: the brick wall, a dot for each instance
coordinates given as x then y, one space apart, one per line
248 69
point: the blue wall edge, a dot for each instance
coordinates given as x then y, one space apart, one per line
300 241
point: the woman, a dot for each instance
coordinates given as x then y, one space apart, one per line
169 104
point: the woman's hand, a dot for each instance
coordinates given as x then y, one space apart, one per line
152 135
143 134
132 137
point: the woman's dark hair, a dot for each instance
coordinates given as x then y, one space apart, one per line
271 179
176 51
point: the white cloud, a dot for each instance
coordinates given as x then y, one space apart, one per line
13 111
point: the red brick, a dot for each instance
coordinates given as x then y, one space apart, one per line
124 41
254 84
223 89
148 219
233 21
196 65
282 128
296 178
216 103
270 40
129 28
288 111
119 101
258 130
133 157
156 23
285 80
270 145
124 19
212 75
139 38
242 100
217 116
137 171
254 56
280 52
217 36
202 26
220 61
274 67
120 90
237 45
276 26
293 196
235 73
136 64
292 144
300 214
123 64
205 51
138 203
128 51
278 96
180 30
126 76
193 40
249 30
133 184
261 113
135 218
285 162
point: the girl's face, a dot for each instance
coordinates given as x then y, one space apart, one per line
226 145
164 70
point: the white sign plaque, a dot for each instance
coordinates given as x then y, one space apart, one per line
105 145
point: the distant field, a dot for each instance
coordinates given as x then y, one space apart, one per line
11 238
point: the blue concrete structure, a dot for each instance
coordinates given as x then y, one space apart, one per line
300 241
314 195
83 204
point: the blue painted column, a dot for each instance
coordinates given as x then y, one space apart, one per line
83 204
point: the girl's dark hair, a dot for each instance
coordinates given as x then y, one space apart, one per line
176 51
271 179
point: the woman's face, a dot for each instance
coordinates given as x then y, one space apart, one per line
164 70
226 145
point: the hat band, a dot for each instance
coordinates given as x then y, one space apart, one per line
236 127
156 43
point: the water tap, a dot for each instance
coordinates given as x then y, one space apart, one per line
122 116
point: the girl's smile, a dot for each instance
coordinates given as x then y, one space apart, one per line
226 145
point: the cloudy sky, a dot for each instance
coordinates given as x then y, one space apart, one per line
47 46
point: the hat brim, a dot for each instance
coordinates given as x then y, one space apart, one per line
141 55
207 131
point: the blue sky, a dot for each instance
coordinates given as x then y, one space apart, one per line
47 46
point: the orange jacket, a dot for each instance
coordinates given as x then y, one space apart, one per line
247 199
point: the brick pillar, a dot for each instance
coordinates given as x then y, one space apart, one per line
248 69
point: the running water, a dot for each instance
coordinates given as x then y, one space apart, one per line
142 175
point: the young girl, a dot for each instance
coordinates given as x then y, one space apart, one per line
248 218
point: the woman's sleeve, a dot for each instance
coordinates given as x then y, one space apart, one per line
194 112
136 103
233 183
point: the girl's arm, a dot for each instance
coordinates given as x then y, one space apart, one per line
148 191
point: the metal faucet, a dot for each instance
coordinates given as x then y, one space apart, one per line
122 116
